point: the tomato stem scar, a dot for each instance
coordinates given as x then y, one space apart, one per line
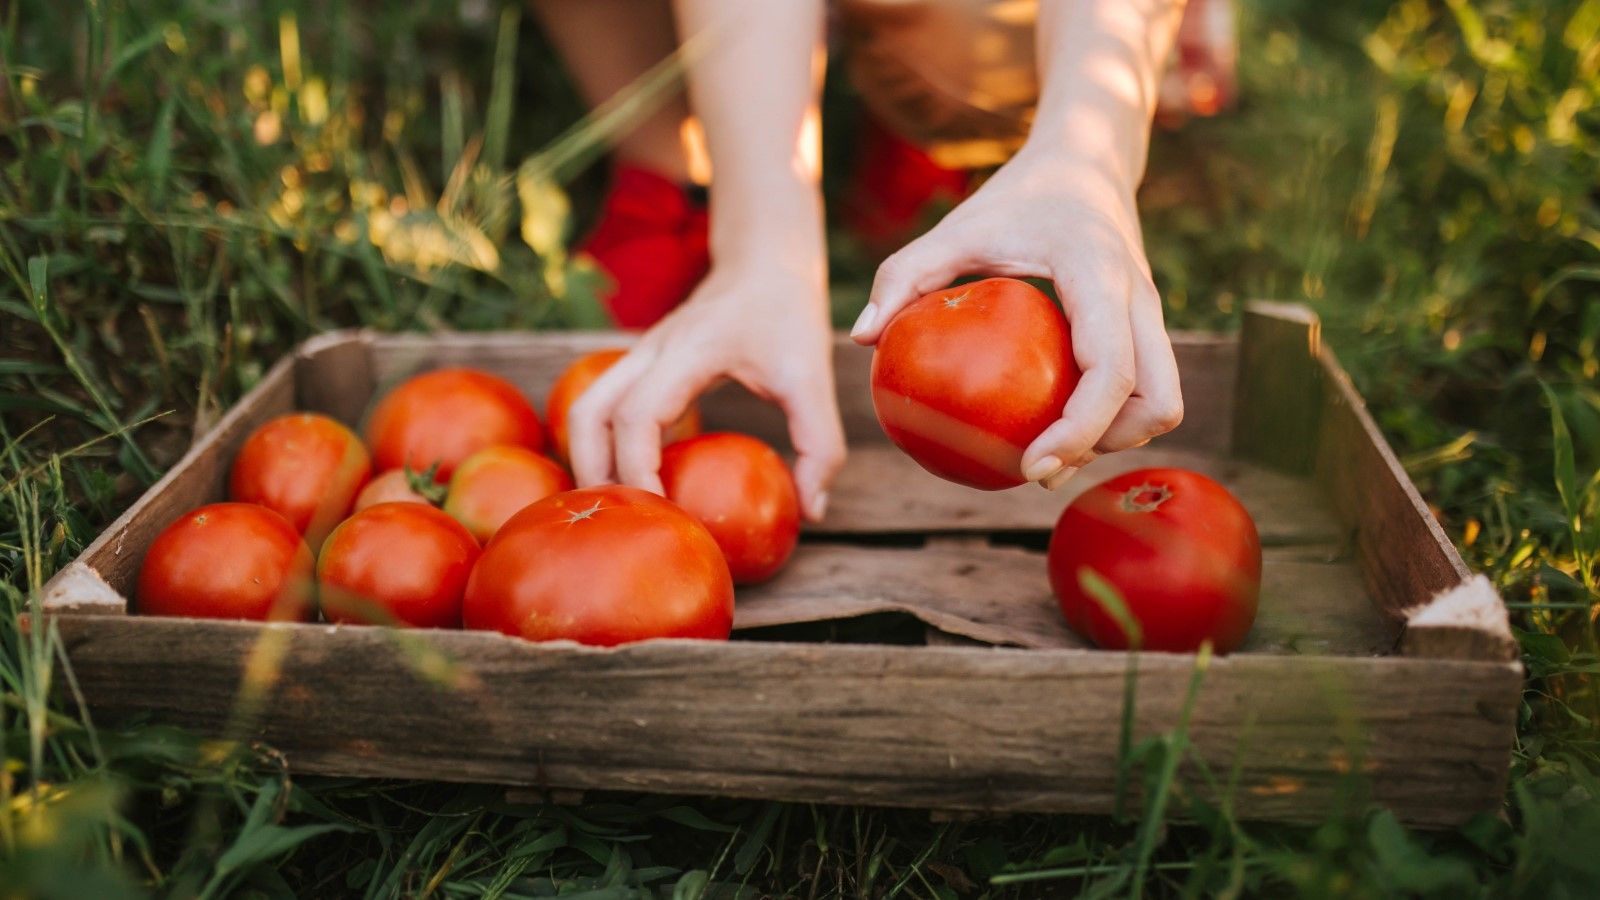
1145 498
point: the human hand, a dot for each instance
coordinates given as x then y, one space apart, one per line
1043 215
761 322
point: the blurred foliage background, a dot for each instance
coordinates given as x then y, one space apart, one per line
188 188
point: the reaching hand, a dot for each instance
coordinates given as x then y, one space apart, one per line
763 325
1042 216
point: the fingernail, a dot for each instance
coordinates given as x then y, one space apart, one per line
1054 482
1042 469
869 315
819 506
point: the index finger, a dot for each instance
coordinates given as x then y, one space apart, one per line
589 420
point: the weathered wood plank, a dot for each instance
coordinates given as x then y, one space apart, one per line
1310 604
1406 558
1279 387
936 727
882 490
102 577
333 375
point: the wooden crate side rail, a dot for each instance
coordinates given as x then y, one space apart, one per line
933 727
101 578
1298 410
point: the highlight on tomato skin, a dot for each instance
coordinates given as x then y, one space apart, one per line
743 492
576 378
1179 550
495 483
440 418
305 466
965 378
227 561
602 566
396 563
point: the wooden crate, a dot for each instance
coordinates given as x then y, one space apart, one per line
1378 663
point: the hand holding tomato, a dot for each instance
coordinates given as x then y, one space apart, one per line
1044 215
763 324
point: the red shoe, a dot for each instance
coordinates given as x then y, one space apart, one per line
652 240
893 185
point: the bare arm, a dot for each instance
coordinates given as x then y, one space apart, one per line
1063 208
761 316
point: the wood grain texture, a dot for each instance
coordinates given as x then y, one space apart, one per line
1406 558
946 728
1311 603
1279 393
882 490
103 576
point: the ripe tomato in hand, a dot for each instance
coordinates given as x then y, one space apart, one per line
603 565
444 416
740 489
965 378
493 485
576 378
1181 551
303 466
393 486
227 561
401 560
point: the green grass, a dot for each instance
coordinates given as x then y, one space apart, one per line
186 189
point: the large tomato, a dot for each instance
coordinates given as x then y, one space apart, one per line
304 466
227 561
405 561
602 565
494 484
1179 549
444 416
965 378
393 486
740 489
576 378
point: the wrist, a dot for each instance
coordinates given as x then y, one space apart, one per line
768 226
1098 178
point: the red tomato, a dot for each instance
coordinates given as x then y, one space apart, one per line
602 565
444 416
577 378
740 489
304 466
227 561
1181 551
495 484
408 560
393 486
965 378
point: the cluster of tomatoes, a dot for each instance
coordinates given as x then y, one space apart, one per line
964 379
514 548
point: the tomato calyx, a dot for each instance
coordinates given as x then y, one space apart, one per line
1145 498
955 302
578 515
426 484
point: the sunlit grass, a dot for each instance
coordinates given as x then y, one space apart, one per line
1420 172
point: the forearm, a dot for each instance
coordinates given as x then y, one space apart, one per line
753 82
1099 66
